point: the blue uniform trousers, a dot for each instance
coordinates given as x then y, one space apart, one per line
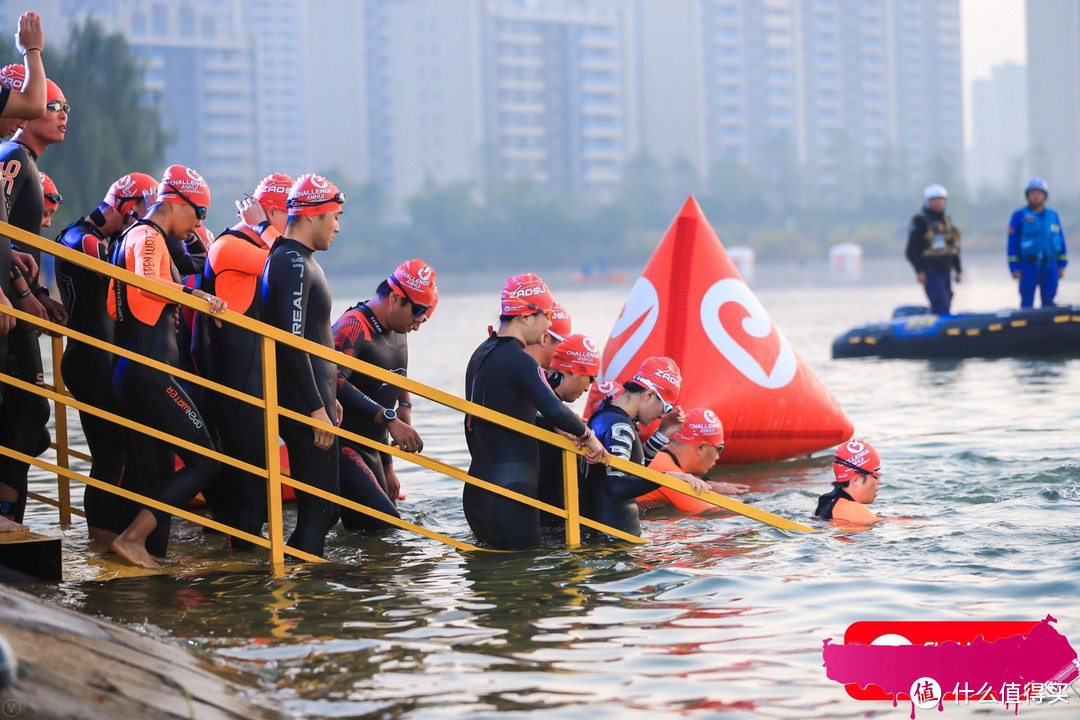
1042 276
939 291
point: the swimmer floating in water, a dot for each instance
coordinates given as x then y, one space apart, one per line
857 468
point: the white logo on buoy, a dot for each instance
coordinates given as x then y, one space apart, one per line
644 302
757 325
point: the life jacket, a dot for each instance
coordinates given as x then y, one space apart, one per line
941 237
1040 236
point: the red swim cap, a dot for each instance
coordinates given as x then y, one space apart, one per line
52 91
662 375
130 189
313 194
701 426
560 323
577 354
273 191
526 294
182 186
855 458
52 195
13 77
415 280
434 303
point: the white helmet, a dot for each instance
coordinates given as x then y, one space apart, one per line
934 191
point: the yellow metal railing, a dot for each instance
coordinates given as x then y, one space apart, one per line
269 336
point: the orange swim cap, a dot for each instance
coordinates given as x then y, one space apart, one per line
855 458
577 354
181 185
701 426
560 323
662 375
130 189
313 194
526 294
415 280
273 191
52 195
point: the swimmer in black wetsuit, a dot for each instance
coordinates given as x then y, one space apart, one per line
572 369
233 355
22 97
609 495
145 323
501 376
375 331
84 367
296 298
24 415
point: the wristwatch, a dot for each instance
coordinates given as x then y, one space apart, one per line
389 415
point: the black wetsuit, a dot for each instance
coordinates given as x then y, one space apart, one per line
296 298
150 396
609 495
23 415
827 502
233 357
360 334
5 252
84 367
503 377
550 488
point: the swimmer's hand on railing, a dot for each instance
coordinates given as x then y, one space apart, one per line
323 438
699 486
595 452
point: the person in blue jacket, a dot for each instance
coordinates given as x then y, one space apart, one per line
1036 251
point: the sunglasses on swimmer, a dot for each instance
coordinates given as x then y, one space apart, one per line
57 106
200 211
54 198
546 312
876 474
417 308
338 197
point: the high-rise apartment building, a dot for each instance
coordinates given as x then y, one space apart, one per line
1053 82
999 149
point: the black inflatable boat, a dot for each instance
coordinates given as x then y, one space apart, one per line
915 333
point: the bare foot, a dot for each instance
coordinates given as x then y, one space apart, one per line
9 525
135 553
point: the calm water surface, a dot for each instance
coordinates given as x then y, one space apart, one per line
715 616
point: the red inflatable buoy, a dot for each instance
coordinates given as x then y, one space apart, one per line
692 305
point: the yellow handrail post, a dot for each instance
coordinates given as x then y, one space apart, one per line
63 485
273 457
570 498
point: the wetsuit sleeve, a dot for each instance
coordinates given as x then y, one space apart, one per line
547 403
243 257
152 261
346 333
1013 246
915 243
619 441
289 293
652 446
5 93
94 246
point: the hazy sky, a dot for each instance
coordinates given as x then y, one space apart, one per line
993 33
